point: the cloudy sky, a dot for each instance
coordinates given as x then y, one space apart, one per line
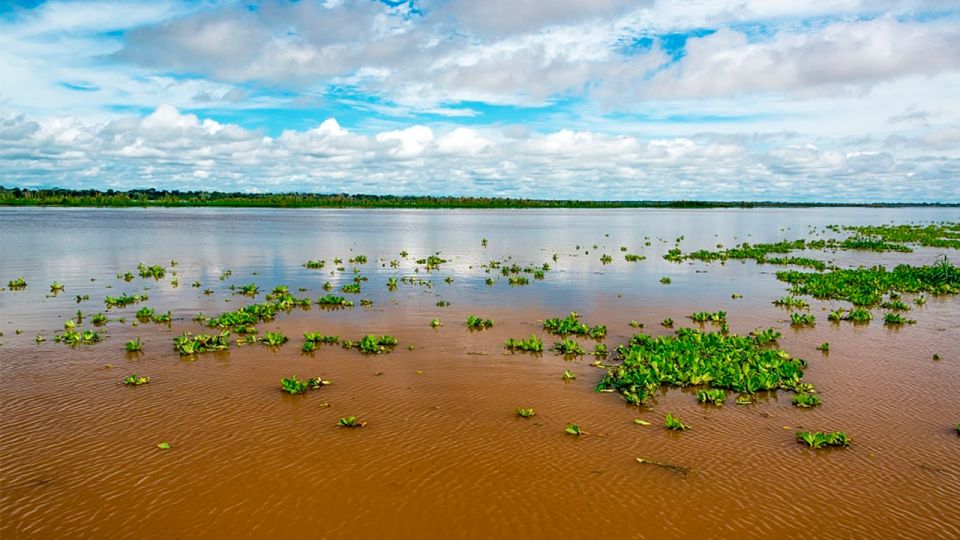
618 99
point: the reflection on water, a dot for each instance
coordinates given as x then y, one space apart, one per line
443 453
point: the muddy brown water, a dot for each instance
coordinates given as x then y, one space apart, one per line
443 454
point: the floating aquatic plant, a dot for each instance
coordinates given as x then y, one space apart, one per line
350 422
124 300
334 301
802 319
806 400
56 287
73 337
155 271
532 344
572 325
373 344
293 385
134 380
705 316
819 439
134 345
673 422
478 323
525 413
791 302
567 347
896 319
573 429
667 323
569 375
17 284
274 339
715 396
666 280
187 344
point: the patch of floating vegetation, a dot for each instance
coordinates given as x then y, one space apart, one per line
532 344
819 439
350 422
744 364
866 286
155 271
124 300
17 284
134 345
571 324
134 380
525 412
371 344
71 337
188 344
478 323
802 319
706 316
432 262
312 339
247 316
942 235
674 423
292 385
568 347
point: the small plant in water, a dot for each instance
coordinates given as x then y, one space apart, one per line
802 319
135 380
477 323
435 323
896 319
569 375
533 344
568 346
825 347
715 396
573 429
17 284
672 422
274 339
806 400
666 280
293 385
56 287
525 413
819 439
350 422
134 345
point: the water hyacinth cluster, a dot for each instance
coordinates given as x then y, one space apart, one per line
744 364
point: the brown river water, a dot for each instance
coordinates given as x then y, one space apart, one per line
443 454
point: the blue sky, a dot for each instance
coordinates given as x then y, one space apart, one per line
724 99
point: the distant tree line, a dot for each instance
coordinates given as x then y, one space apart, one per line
165 198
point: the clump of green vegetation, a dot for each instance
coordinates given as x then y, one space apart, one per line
806 400
802 319
574 429
145 313
743 364
134 345
432 262
819 439
372 344
442 303
315 265
187 344
533 344
673 422
350 422
73 337
124 300
353 288
856 315
56 287
825 347
155 271
518 280
600 349
525 413
572 325
630 257
896 319
606 259
667 323
17 284
568 347
866 286
666 280
312 339
791 302
946 235
715 396
99 319
274 339
436 323
293 385
895 305
477 323
569 375
334 301
706 316
134 380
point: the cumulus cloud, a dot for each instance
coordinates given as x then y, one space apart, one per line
171 149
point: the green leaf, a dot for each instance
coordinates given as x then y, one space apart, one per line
163 446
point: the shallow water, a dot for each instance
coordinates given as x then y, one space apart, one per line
443 453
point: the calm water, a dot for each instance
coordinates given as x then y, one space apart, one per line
443 454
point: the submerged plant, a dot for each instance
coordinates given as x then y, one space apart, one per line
673 422
819 439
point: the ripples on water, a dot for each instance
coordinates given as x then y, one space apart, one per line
443 453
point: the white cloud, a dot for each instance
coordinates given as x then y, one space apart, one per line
175 150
